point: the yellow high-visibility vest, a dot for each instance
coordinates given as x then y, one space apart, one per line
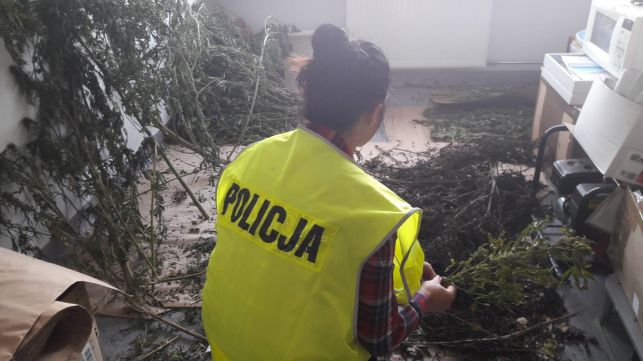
297 219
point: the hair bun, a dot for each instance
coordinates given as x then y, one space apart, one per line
329 40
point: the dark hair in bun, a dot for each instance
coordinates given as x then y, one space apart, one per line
343 80
329 40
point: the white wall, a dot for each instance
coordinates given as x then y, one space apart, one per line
12 108
520 30
524 30
419 34
12 105
305 14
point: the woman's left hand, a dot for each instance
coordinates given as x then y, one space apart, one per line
428 273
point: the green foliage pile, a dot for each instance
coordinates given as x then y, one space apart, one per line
476 113
507 302
465 194
502 273
91 66
457 125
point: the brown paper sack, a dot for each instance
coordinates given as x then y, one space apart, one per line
41 315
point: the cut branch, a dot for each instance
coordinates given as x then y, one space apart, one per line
195 200
504 337
169 322
158 349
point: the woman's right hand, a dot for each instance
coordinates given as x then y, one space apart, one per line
439 297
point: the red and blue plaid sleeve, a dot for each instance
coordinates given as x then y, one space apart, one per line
381 323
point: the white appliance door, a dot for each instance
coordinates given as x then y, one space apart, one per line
424 33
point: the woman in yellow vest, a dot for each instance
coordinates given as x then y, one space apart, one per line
315 259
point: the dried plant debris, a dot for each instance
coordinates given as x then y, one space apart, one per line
477 230
179 195
465 194
150 339
463 113
464 125
473 96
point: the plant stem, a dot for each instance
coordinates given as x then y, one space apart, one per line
504 337
255 92
177 278
169 322
152 231
158 349
195 200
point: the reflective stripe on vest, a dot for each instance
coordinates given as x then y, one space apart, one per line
296 222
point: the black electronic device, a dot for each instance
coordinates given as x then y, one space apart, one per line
586 198
568 173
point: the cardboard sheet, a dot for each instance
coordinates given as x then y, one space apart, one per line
35 324
59 333
605 217
627 249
